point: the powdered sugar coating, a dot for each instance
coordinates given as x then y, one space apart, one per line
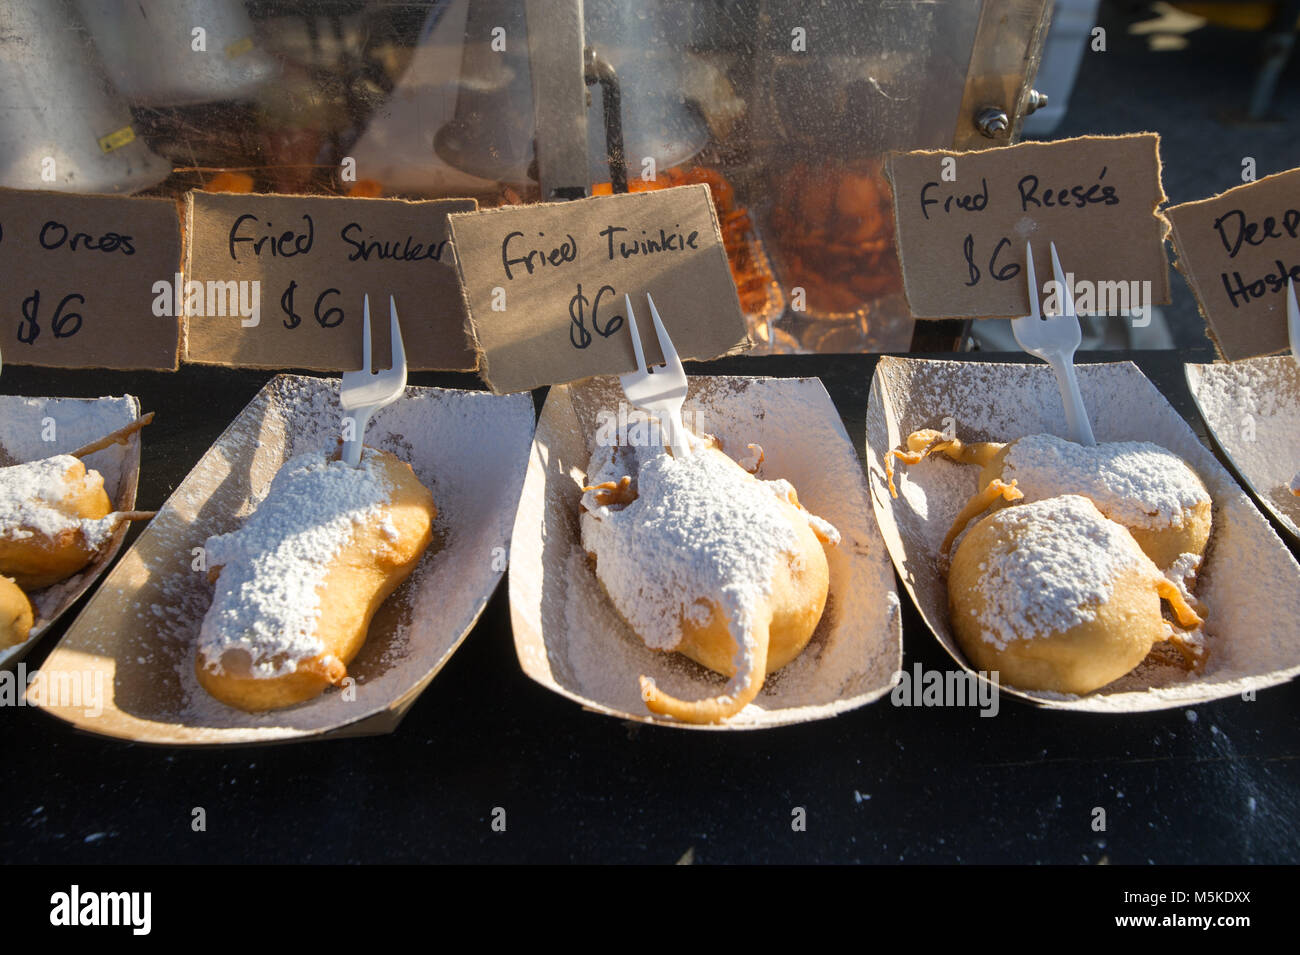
1055 563
701 530
1137 483
824 529
30 495
266 601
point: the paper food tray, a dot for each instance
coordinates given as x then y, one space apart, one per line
136 638
74 423
1249 581
1252 410
570 639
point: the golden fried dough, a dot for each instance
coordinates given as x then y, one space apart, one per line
782 628
15 614
702 558
1055 596
51 520
1146 488
297 586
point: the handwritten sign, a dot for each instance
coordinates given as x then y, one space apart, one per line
77 275
964 219
1238 250
545 284
278 281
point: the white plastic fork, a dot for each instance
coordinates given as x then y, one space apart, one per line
658 391
1054 339
1293 320
364 392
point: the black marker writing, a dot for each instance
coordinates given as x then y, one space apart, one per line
1235 230
579 335
648 244
532 259
1076 196
285 245
64 323
408 250
55 235
975 202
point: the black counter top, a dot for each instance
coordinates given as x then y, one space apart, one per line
1215 783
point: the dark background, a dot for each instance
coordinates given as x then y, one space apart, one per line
1162 73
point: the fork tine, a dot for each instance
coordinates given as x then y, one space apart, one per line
1067 296
1292 309
665 343
636 335
398 353
1032 279
365 335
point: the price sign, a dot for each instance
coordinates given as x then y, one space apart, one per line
278 281
964 219
79 277
1239 250
545 284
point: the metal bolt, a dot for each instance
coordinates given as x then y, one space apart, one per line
992 121
1035 102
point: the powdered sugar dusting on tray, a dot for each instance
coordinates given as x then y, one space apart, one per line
1249 583
34 428
267 600
1056 564
1137 483
1252 408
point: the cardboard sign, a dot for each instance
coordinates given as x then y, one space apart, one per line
964 219
545 284
278 281
77 277
1237 250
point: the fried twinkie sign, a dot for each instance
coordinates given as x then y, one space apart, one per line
545 284
76 280
278 281
964 218
1238 250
